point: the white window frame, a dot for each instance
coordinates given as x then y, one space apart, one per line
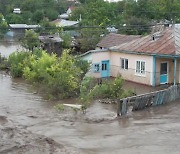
140 71
124 61
95 67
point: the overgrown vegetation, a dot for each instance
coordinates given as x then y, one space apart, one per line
129 16
3 26
63 77
31 40
17 64
89 38
112 89
4 65
58 77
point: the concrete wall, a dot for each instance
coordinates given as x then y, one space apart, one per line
87 57
97 57
131 74
115 66
100 56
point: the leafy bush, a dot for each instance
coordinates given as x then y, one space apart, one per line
83 65
3 63
59 107
108 89
59 77
16 61
40 68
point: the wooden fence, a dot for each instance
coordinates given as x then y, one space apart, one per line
149 99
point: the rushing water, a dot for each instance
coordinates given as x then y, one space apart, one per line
29 124
154 130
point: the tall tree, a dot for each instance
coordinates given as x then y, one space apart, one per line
3 26
31 40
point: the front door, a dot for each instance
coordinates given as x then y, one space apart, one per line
164 73
105 69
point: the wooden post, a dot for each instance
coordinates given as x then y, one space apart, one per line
124 106
118 107
154 72
175 67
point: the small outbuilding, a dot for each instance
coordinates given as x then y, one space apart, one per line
52 44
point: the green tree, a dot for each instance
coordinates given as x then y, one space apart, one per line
14 19
67 40
3 26
16 61
51 14
31 40
27 17
89 38
38 16
95 12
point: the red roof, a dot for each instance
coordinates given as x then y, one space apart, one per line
166 42
116 39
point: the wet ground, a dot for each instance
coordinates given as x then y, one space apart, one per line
29 124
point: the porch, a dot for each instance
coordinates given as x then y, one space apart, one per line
165 70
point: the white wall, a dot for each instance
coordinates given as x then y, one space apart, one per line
130 74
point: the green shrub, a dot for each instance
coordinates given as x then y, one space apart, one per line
116 89
16 61
83 65
4 64
38 69
59 107
111 89
57 77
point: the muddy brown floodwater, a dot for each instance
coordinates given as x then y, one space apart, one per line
30 125
9 46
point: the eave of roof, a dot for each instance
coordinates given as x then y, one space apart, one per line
145 53
131 52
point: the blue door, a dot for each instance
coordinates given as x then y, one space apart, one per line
164 73
105 69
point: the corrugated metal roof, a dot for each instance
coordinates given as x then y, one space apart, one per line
64 23
166 42
23 26
50 38
116 39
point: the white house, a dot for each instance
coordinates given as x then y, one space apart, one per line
151 60
17 10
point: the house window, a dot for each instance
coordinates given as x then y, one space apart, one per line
96 67
124 63
140 67
104 67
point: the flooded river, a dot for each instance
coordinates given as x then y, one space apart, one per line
29 124
9 46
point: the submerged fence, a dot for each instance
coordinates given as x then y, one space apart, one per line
149 99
